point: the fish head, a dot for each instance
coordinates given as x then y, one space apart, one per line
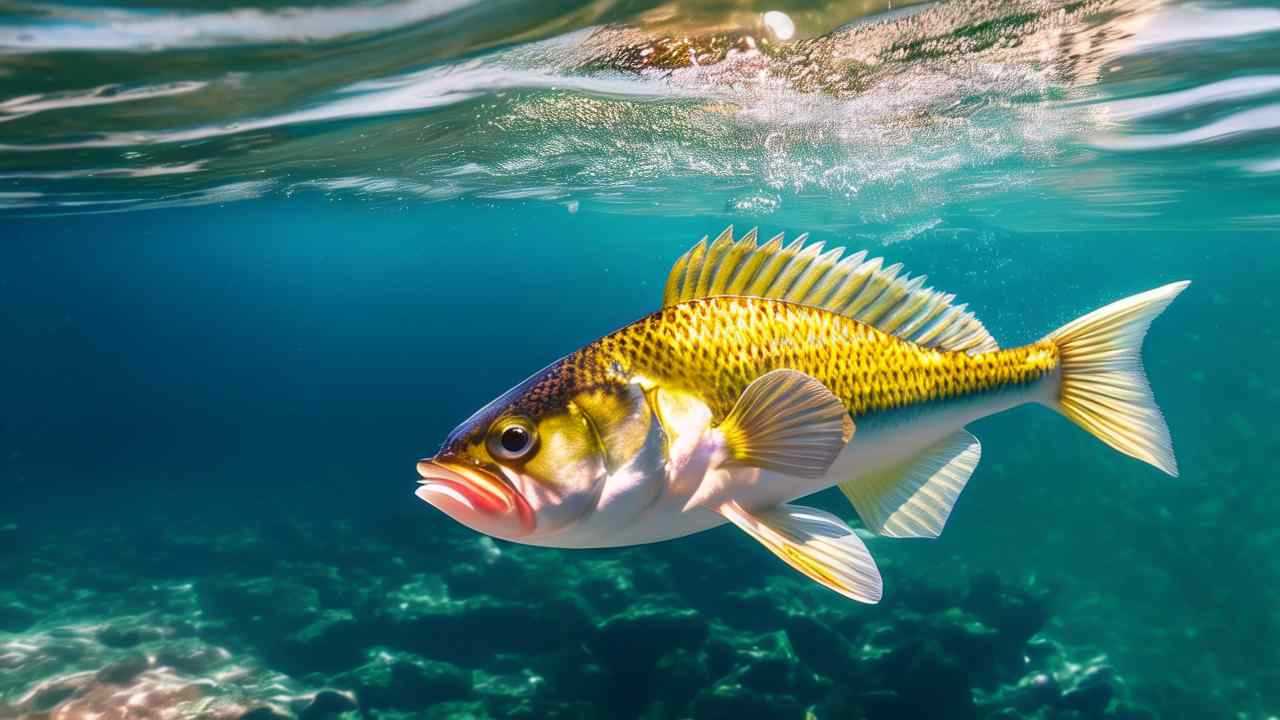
526 465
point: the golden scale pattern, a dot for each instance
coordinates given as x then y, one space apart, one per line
715 347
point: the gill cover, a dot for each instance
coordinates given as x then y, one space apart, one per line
549 442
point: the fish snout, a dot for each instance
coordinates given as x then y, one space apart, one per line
475 497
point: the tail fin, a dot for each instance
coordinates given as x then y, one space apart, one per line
1104 388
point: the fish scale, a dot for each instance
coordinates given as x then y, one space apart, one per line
717 346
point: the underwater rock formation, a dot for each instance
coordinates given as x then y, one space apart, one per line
329 622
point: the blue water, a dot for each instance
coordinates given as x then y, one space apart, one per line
224 348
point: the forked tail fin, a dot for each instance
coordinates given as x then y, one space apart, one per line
1104 388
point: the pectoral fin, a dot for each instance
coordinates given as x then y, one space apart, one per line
816 543
914 498
787 422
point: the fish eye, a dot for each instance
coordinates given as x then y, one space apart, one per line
511 438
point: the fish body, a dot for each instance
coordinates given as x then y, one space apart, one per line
772 373
902 397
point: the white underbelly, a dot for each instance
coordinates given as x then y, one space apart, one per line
879 442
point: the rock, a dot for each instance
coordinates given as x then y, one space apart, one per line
83 695
920 596
50 697
1091 691
243 552
1035 691
124 670
1016 615
728 700
720 653
682 674
263 713
524 634
607 585
331 643
465 579
331 588
818 645
401 681
846 700
1129 712
326 704
764 677
191 656
542 710
669 683
421 617
266 605
632 641
511 695
127 634
967 640
756 609
575 675
457 711
1042 651
478 560
922 682
16 617
768 664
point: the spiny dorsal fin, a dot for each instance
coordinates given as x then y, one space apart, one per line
862 289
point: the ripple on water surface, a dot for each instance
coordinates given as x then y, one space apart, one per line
1102 111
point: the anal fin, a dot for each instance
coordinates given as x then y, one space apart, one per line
818 544
914 498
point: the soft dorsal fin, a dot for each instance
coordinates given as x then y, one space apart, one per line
865 290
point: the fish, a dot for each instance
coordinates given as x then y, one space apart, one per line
773 371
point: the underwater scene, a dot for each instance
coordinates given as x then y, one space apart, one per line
639 359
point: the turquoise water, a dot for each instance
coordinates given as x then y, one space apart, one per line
256 261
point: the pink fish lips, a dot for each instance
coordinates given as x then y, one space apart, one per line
476 498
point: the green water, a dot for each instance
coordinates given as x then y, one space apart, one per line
256 261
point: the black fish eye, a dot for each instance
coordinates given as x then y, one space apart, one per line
512 439
515 439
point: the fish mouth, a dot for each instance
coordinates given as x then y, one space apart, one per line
474 497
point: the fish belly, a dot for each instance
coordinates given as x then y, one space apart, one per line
881 440
887 439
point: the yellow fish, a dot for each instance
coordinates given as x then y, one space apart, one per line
773 372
